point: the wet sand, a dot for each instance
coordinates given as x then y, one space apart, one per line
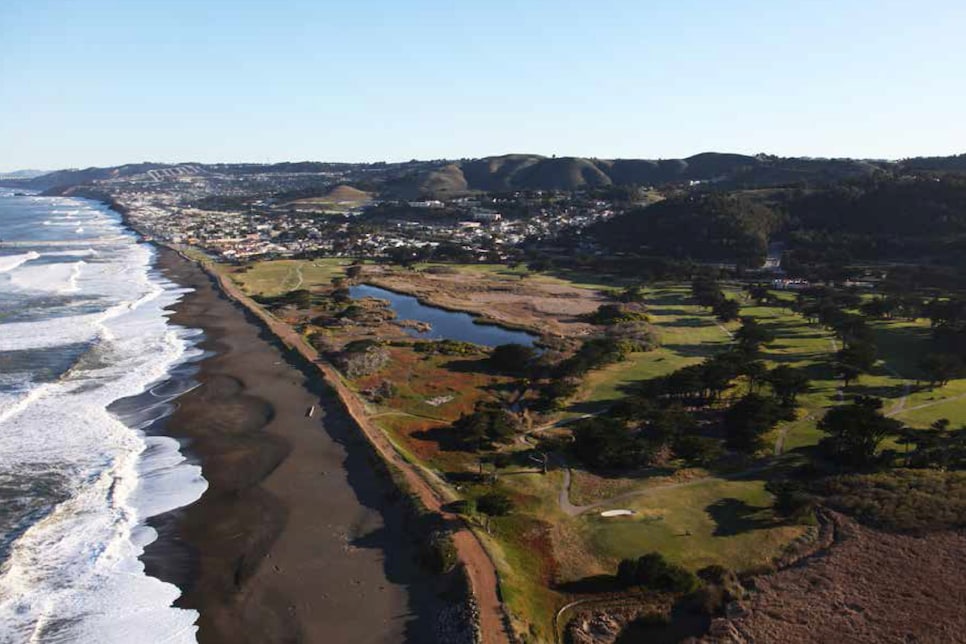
297 538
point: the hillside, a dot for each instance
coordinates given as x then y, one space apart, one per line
66 178
534 172
344 193
875 219
711 227
512 172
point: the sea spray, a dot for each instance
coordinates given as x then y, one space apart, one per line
77 482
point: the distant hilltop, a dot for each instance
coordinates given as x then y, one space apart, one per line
446 178
21 174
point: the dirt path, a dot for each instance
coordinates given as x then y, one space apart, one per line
926 405
906 386
479 567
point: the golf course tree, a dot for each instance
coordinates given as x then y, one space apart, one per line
855 431
751 335
787 383
632 293
940 368
855 358
706 292
748 420
607 444
948 319
938 447
595 353
759 293
945 312
512 359
888 307
488 424
494 504
654 572
726 309
555 393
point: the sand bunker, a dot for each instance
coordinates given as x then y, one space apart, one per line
617 513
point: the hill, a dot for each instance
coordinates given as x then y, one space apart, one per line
711 227
881 218
513 172
534 172
66 178
347 194
339 198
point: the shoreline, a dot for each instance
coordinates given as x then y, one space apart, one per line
491 619
474 611
295 539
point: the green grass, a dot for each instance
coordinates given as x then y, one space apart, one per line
521 545
713 522
278 276
925 407
687 333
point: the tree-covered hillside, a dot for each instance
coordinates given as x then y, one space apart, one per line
711 227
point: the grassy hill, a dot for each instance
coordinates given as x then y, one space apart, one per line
441 178
534 172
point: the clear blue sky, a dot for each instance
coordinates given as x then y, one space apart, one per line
103 82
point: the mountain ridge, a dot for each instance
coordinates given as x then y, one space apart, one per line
511 172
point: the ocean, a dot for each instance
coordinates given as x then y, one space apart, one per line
89 368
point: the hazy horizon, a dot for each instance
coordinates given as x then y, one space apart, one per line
102 82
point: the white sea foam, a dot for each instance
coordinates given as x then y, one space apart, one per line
65 574
10 262
86 252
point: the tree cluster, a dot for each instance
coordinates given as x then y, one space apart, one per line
707 293
659 418
489 423
855 431
654 572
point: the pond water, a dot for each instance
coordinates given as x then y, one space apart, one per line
446 325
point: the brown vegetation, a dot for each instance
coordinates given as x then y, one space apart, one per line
545 306
869 587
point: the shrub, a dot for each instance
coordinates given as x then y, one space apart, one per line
792 500
654 572
439 552
362 357
512 359
495 504
486 425
915 501
464 506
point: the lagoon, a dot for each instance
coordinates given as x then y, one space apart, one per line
446 325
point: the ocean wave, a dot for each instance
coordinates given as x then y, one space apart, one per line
76 554
10 262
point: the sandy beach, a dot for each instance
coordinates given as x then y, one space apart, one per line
297 538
